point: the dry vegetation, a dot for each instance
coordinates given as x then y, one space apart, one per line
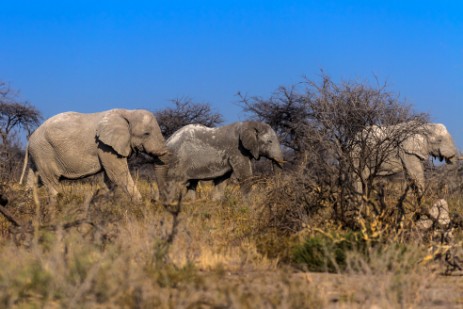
232 254
304 239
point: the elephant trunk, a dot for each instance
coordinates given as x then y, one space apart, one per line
277 168
166 179
277 158
277 162
161 168
449 155
451 160
159 152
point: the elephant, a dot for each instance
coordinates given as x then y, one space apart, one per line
218 154
404 147
74 145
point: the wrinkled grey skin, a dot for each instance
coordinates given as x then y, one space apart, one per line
203 153
433 140
73 145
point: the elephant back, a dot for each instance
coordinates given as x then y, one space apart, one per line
188 133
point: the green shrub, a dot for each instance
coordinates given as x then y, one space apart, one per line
327 252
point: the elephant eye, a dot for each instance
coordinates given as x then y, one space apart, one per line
269 141
146 134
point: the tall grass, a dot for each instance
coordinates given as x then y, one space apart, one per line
123 258
224 254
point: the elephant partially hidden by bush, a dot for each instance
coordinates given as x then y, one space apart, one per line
73 145
403 147
203 153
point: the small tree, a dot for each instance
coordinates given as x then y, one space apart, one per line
287 112
15 116
186 112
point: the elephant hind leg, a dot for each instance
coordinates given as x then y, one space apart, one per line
34 180
48 172
52 184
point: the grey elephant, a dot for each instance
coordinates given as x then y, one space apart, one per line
73 145
404 148
217 154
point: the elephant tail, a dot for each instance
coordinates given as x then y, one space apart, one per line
26 159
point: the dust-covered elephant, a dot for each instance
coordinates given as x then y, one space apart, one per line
203 153
73 145
403 148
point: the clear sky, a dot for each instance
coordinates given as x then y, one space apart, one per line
94 55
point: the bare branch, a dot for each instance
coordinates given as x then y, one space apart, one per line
15 115
186 112
325 122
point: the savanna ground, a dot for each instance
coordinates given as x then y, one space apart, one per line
91 251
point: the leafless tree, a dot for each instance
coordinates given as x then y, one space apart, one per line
15 116
287 112
185 112
322 124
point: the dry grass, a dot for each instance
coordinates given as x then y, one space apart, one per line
222 256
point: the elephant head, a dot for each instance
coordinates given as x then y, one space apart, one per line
435 141
259 139
128 131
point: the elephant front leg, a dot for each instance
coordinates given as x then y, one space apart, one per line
242 171
117 170
219 190
415 172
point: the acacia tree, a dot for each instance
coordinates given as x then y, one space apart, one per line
185 112
15 116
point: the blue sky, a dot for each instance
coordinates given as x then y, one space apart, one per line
94 55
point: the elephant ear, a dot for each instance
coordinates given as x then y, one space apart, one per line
417 145
113 130
248 137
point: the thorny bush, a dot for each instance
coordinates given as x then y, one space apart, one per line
320 126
